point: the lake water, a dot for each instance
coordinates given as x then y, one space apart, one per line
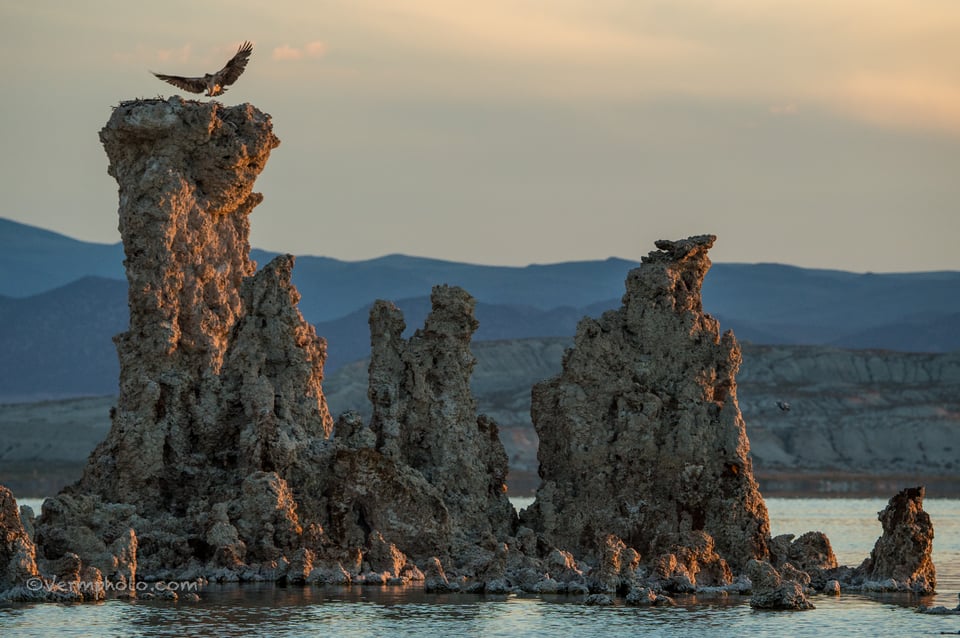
267 610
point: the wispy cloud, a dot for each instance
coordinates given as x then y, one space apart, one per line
784 109
315 49
890 64
181 54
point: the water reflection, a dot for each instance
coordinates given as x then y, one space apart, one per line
266 610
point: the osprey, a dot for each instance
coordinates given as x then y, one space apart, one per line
214 83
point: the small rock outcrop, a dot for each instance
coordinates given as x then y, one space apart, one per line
641 435
774 589
812 553
901 559
17 553
20 577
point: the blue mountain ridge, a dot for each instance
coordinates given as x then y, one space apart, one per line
62 300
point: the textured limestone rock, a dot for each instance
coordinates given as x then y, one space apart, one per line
221 460
641 435
811 553
17 552
901 558
221 416
425 416
776 590
693 564
20 577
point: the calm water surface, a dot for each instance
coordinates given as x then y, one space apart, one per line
267 610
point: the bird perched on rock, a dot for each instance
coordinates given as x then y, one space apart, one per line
783 405
214 83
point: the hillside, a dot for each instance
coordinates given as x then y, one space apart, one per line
860 422
33 260
856 418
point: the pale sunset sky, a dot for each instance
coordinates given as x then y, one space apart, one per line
820 133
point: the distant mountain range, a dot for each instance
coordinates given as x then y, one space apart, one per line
62 300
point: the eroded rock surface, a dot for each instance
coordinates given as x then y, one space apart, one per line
901 559
221 460
425 415
221 415
641 435
774 589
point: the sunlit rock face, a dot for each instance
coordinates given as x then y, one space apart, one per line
17 552
220 407
641 435
901 559
222 460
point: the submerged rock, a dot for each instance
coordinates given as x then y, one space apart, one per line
641 435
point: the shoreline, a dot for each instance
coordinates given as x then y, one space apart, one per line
40 479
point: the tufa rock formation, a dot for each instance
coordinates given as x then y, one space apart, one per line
901 558
220 404
641 435
17 553
220 461
223 462
427 473
425 416
774 589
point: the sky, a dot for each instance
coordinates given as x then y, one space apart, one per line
819 133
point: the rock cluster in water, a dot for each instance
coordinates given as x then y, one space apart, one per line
223 462
641 435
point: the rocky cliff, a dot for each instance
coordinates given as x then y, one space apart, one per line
640 434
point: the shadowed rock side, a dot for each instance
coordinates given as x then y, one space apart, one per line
641 435
428 473
425 415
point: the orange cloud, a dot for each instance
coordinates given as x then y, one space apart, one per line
287 52
175 55
906 100
313 49
784 109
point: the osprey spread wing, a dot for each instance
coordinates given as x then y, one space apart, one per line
214 83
